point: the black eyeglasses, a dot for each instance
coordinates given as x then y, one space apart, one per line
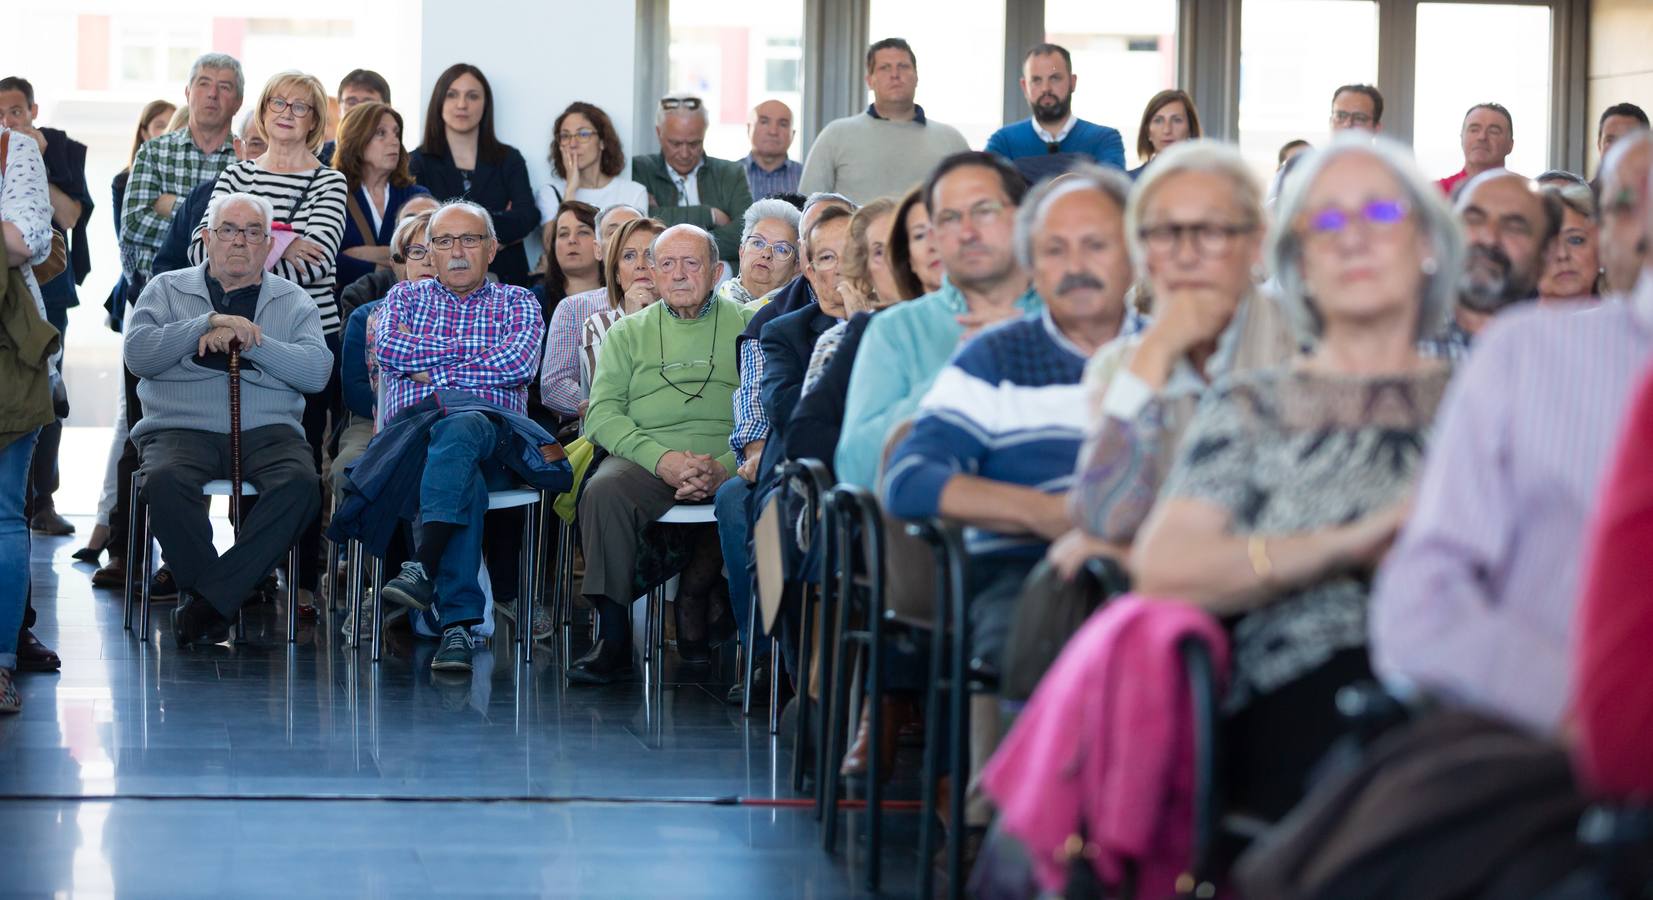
679 102
710 364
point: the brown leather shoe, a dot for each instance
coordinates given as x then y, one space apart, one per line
33 656
898 712
112 575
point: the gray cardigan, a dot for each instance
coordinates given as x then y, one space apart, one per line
178 392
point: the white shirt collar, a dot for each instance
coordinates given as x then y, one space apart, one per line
1057 138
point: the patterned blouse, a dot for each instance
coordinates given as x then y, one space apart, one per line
24 203
1285 452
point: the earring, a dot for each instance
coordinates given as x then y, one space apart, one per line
1429 266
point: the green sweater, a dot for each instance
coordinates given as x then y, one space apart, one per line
635 411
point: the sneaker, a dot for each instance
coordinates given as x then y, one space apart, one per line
163 586
455 653
10 700
411 588
543 626
348 629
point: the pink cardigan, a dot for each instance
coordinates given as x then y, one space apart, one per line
1107 740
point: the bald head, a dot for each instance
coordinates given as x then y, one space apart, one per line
1626 214
770 128
1509 223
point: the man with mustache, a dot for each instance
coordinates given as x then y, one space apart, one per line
458 332
177 344
1488 136
995 440
1509 223
1053 139
1475 603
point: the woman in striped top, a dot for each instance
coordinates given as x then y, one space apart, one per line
292 115
310 198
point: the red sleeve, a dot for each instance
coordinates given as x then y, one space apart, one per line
1613 678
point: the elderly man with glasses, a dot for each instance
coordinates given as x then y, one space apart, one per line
178 340
469 346
661 406
687 187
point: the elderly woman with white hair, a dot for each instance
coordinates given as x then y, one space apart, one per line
768 252
1195 225
1291 482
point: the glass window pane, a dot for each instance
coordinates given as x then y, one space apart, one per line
1114 45
734 61
1454 74
960 65
1293 55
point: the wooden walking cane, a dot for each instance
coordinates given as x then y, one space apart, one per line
235 436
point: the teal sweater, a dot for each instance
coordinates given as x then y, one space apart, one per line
635 411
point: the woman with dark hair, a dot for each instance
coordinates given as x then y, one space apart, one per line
375 165
913 261
587 160
570 260
460 158
1169 117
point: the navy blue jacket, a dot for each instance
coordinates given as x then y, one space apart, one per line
349 268
174 252
382 487
787 344
353 380
795 296
818 419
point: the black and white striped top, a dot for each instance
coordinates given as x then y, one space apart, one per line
319 198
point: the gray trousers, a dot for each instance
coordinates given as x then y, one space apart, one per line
176 463
619 501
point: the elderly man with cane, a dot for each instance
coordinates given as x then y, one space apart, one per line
179 343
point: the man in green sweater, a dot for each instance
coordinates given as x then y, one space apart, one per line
687 187
889 148
661 404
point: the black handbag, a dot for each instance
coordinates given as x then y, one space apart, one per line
1048 613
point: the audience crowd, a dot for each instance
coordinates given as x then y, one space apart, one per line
1359 429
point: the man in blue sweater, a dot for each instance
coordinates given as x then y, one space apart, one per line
1054 140
996 438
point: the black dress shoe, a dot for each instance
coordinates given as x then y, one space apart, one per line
47 521
606 662
33 656
195 621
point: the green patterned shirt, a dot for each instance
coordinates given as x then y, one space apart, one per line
169 164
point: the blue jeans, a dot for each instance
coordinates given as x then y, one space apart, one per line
734 534
460 470
14 543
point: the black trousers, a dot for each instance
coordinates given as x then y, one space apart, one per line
177 463
43 478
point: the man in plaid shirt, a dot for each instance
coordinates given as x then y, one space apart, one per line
167 168
457 332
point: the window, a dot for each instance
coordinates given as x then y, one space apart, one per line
959 45
1454 74
735 59
1123 53
1293 55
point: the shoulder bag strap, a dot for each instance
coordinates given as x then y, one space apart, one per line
369 237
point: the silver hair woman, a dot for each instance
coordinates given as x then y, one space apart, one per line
768 251
1194 224
1291 482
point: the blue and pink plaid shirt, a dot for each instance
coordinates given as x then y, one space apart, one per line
486 343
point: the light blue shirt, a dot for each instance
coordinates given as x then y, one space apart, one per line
905 347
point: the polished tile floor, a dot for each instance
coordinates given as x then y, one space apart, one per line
304 770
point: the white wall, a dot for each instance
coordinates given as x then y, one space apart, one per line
539 56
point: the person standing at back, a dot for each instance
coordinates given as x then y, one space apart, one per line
887 149
1488 137
1053 139
687 187
460 158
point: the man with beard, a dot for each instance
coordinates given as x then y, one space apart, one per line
1475 603
1054 139
1509 224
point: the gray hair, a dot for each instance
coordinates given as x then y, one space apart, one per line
1422 197
405 231
468 206
1576 197
703 234
1030 216
660 112
769 208
217 205
220 61
603 214
247 122
819 197
1199 155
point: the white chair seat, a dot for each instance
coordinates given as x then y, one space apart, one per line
689 514
221 488
513 498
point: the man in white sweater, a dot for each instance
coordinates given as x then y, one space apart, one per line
887 149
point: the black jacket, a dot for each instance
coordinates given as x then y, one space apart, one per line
174 251
65 160
500 187
818 419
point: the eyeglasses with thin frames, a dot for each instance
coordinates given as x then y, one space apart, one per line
253 234
468 241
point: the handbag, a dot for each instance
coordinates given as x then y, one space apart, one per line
1048 612
58 260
